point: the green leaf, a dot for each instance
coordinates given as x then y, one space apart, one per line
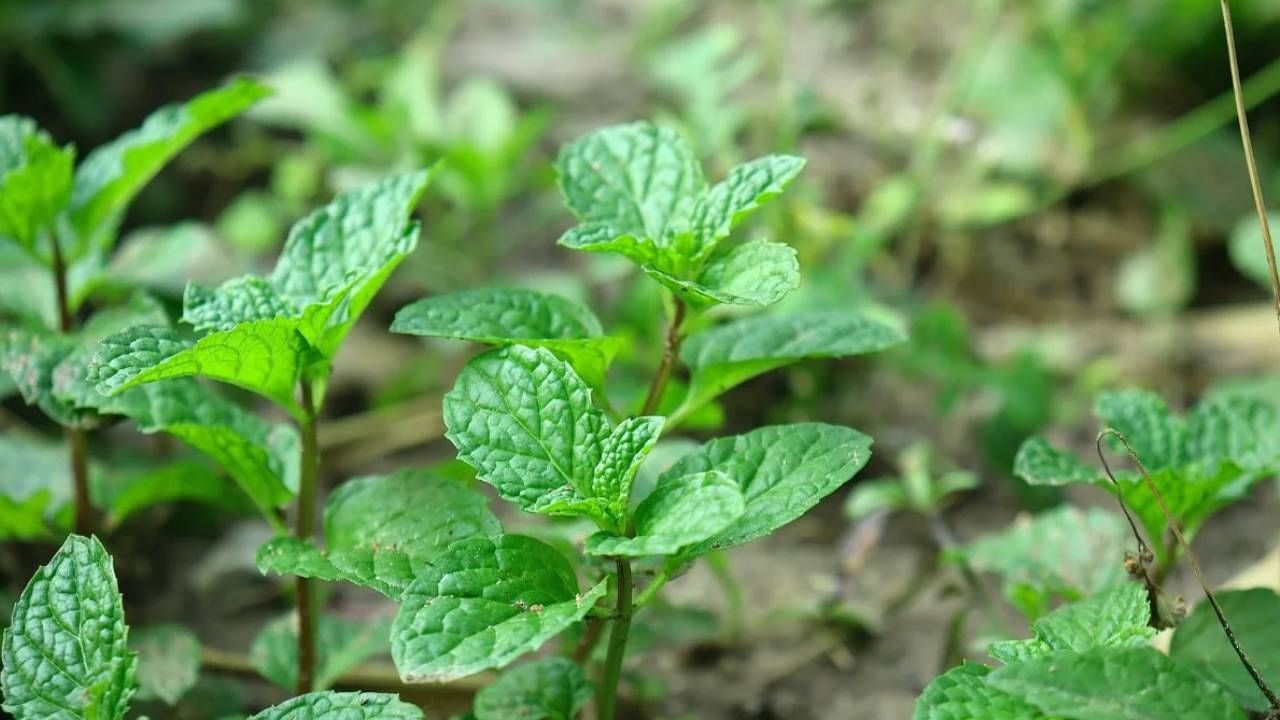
499 316
168 662
677 514
124 491
341 644
622 452
548 689
35 486
962 693
726 356
1039 463
1199 643
1248 251
638 180
782 471
112 175
1113 618
35 184
383 530
341 706
29 358
1109 683
755 273
1157 435
526 422
747 187
1059 553
482 604
264 357
64 652
870 496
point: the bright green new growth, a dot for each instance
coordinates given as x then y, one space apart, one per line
638 190
64 652
676 515
723 357
548 689
267 334
526 422
35 182
168 662
341 706
1200 463
482 604
499 316
382 531
1087 661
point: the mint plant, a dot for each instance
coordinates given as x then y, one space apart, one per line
66 654
1200 463
277 336
59 223
525 416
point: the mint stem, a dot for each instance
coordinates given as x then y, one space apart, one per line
620 628
669 352
303 530
77 441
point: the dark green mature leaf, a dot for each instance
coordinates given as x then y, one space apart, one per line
1199 643
383 530
500 316
782 471
482 604
265 357
112 175
341 706
1109 683
1065 552
1114 618
754 273
725 356
341 644
168 662
675 515
962 693
35 184
64 653
548 689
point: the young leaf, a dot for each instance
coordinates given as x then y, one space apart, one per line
383 530
782 472
639 181
114 173
754 273
622 452
1115 618
962 693
1199 643
341 644
35 184
341 706
726 356
1059 553
747 187
64 652
1107 683
482 604
552 688
168 662
676 515
499 316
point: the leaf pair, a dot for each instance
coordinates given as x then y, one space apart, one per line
1087 661
638 190
1200 463
267 334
